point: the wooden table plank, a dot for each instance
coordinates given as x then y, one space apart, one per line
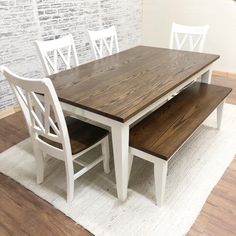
122 85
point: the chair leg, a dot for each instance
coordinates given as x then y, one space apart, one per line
39 165
106 154
220 114
70 180
131 158
160 174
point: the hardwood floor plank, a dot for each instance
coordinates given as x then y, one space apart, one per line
216 230
215 214
218 215
228 206
231 83
13 130
24 213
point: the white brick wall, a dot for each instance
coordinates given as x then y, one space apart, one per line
24 21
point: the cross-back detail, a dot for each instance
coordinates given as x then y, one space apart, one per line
44 116
191 37
104 41
53 50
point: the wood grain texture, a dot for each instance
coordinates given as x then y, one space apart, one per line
224 74
9 110
13 130
218 215
24 213
229 82
164 131
121 85
82 135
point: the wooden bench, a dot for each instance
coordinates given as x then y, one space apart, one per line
160 135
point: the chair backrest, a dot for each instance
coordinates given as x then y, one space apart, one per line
104 42
51 125
56 54
190 38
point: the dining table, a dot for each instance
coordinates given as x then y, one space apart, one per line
119 90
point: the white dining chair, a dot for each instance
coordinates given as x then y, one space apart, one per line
65 139
104 42
190 38
57 53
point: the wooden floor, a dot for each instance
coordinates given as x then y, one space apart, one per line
218 216
12 130
231 83
24 213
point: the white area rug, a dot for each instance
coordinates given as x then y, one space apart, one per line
193 173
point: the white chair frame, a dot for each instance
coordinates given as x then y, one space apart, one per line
188 33
100 41
26 91
50 66
160 165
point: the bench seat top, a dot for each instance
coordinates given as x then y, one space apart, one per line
164 131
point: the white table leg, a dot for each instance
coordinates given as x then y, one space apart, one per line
206 77
120 142
220 114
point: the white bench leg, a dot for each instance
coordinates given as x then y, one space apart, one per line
220 114
160 174
106 154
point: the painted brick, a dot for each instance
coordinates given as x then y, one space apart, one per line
22 22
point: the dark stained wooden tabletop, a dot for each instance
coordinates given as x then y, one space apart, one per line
122 85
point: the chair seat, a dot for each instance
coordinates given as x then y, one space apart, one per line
82 135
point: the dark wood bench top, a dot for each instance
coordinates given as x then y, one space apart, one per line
164 131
